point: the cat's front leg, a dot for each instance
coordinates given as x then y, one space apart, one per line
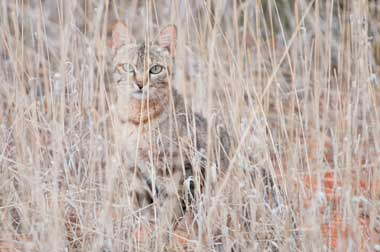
139 195
169 197
141 206
166 208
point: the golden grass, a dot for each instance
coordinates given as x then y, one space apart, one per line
296 83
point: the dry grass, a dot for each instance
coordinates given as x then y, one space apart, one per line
296 82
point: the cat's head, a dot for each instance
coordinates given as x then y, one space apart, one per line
142 70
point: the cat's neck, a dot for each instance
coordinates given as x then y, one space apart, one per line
140 112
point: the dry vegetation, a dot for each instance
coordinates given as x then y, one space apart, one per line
296 82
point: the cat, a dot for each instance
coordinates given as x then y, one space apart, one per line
159 136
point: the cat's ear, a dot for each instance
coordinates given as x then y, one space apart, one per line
120 36
168 38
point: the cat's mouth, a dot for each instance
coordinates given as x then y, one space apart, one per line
139 94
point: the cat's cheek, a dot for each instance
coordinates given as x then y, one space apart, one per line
158 77
152 77
123 91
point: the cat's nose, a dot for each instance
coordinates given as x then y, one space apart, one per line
139 82
140 85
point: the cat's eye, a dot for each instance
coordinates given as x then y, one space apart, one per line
128 68
156 69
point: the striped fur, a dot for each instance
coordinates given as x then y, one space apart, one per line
158 135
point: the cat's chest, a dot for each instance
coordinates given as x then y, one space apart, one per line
153 145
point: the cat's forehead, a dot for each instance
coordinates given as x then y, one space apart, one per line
141 52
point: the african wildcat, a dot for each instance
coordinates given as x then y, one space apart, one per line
158 134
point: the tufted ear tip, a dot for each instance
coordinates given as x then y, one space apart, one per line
168 38
120 35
